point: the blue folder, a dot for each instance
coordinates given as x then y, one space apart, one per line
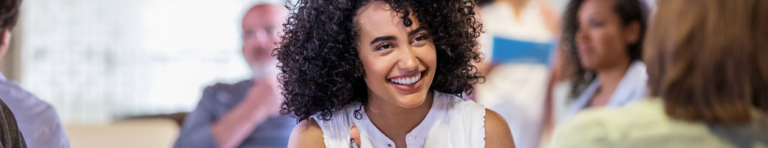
517 51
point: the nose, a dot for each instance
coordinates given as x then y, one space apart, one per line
265 40
408 62
581 36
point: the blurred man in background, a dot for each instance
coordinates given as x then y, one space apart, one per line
245 114
37 119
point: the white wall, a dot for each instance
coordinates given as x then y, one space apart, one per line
96 60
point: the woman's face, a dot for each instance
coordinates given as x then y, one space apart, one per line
602 39
399 61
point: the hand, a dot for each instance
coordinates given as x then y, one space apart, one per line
355 135
265 95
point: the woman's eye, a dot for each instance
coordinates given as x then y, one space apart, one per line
385 46
419 38
596 24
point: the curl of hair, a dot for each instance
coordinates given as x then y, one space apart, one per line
320 68
628 11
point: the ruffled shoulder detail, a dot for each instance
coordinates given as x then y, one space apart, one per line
471 114
336 130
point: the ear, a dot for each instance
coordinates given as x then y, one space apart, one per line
5 42
632 32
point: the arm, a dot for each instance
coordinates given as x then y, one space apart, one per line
497 132
549 100
196 131
260 103
307 134
551 18
202 129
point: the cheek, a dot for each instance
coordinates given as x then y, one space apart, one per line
248 47
614 45
247 52
429 56
376 71
606 42
249 42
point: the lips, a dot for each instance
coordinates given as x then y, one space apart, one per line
584 49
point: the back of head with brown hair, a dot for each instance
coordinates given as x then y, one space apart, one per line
9 13
708 59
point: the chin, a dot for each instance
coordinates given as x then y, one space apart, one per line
588 64
412 100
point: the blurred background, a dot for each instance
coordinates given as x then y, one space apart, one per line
119 71
99 62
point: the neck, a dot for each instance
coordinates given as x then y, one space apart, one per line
610 77
517 6
395 121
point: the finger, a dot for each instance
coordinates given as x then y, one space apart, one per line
355 134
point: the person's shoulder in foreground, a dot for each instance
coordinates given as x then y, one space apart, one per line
37 119
644 124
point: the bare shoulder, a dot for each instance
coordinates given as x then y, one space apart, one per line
307 134
497 134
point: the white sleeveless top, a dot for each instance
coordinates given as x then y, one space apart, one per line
452 122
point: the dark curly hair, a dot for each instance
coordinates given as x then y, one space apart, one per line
320 68
628 11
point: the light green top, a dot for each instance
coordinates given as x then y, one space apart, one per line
645 125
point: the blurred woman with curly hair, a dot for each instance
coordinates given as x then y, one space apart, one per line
385 73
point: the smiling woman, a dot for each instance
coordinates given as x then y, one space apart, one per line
394 69
602 48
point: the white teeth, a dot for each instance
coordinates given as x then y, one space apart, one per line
407 81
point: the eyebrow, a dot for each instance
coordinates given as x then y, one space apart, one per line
417 30
383 38
392 38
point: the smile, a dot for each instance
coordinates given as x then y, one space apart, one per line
406 80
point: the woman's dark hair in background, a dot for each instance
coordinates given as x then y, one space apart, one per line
320 68
708 59
9 14
483 2
628 11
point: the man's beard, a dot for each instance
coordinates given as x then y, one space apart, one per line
264 69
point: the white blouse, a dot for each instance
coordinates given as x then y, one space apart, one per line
631 89
452 122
